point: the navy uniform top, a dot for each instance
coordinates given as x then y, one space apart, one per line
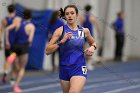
21 36
120 25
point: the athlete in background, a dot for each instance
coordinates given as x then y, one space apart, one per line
88 21
11 38
24 35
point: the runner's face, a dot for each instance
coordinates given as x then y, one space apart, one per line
70 15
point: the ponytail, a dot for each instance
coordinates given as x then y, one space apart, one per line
62 13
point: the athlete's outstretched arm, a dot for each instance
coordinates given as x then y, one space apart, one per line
52 45
15 24
89 51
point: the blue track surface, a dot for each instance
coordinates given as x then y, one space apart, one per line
116 78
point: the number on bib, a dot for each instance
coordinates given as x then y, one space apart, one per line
84 69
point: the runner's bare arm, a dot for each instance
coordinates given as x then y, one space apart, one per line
52 45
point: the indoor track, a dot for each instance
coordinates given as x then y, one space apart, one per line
106 78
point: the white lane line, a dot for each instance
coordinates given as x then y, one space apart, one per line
51 80
39 88
123 89
104 84
31 82
48 86
45 80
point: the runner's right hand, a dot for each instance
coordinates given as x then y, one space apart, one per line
66 37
